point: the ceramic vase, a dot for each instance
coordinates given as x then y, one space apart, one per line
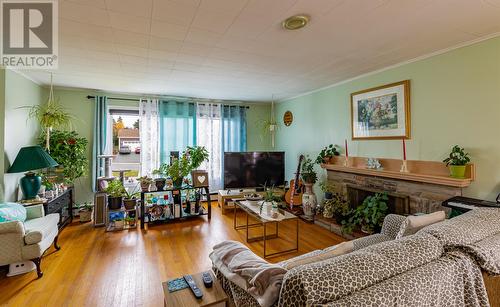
309 201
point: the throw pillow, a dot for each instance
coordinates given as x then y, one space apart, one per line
329 252
12 212
414 223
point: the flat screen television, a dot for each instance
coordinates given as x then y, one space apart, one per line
253 169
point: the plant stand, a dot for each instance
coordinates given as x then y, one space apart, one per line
110 225
157 213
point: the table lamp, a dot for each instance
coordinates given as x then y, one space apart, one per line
28 159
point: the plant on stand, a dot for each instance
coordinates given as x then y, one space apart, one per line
457 162
327 153
309 176
145 182
179 168
116 192
369 215
130 198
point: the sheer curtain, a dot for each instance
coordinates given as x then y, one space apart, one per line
234 128
177 127
208 121
148 120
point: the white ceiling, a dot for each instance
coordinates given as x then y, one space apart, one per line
236 49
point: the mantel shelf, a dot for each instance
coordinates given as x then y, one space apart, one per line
430 172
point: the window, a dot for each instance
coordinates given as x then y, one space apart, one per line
123 133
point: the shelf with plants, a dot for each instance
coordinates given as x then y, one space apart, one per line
182 200
123 219
171 204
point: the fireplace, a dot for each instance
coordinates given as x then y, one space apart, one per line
397 203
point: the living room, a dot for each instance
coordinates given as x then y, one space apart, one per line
147 152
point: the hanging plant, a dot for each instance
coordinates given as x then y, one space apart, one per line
50 115
270 126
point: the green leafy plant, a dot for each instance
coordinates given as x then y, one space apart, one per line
70 151
50 115
457 156
327 153
308 174
115 189
145 180
132 193
197 155
337 207
327 186
85 207
369 215
181 167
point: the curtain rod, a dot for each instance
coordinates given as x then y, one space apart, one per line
137 100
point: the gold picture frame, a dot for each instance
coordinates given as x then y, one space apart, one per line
382 112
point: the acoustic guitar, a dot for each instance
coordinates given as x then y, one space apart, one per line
293 196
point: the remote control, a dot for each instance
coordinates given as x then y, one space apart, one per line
194 288
207 279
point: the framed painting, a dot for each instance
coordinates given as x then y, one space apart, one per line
381 112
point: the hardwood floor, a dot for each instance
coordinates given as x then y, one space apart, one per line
98 268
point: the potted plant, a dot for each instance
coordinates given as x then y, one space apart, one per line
130 221
145 182
130 198
457 162
115 191
179 168
85 212
197 155
327 153
270 201
337 207
70 151
328 188
369 215
50 115
308 174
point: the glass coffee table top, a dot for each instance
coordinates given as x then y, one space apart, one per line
253 207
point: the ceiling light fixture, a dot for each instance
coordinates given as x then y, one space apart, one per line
295 22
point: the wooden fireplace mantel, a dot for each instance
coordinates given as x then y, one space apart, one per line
431 172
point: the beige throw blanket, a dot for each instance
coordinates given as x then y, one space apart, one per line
258 277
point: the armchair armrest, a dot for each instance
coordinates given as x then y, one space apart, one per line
12 227
35 211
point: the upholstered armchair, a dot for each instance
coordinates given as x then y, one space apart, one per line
29 240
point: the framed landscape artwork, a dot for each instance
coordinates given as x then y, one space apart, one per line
382 112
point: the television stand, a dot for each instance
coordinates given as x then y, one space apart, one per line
224 197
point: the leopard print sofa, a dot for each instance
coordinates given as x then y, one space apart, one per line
441 265
390 228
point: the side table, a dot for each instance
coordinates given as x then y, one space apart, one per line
214 296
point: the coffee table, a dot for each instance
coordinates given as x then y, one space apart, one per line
214 296
252 208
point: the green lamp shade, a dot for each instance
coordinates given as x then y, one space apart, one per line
31 158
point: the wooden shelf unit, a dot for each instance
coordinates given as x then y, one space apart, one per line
432 172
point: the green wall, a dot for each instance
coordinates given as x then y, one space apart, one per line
75 101
19 130
455 99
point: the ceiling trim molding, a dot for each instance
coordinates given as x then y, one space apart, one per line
419 58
